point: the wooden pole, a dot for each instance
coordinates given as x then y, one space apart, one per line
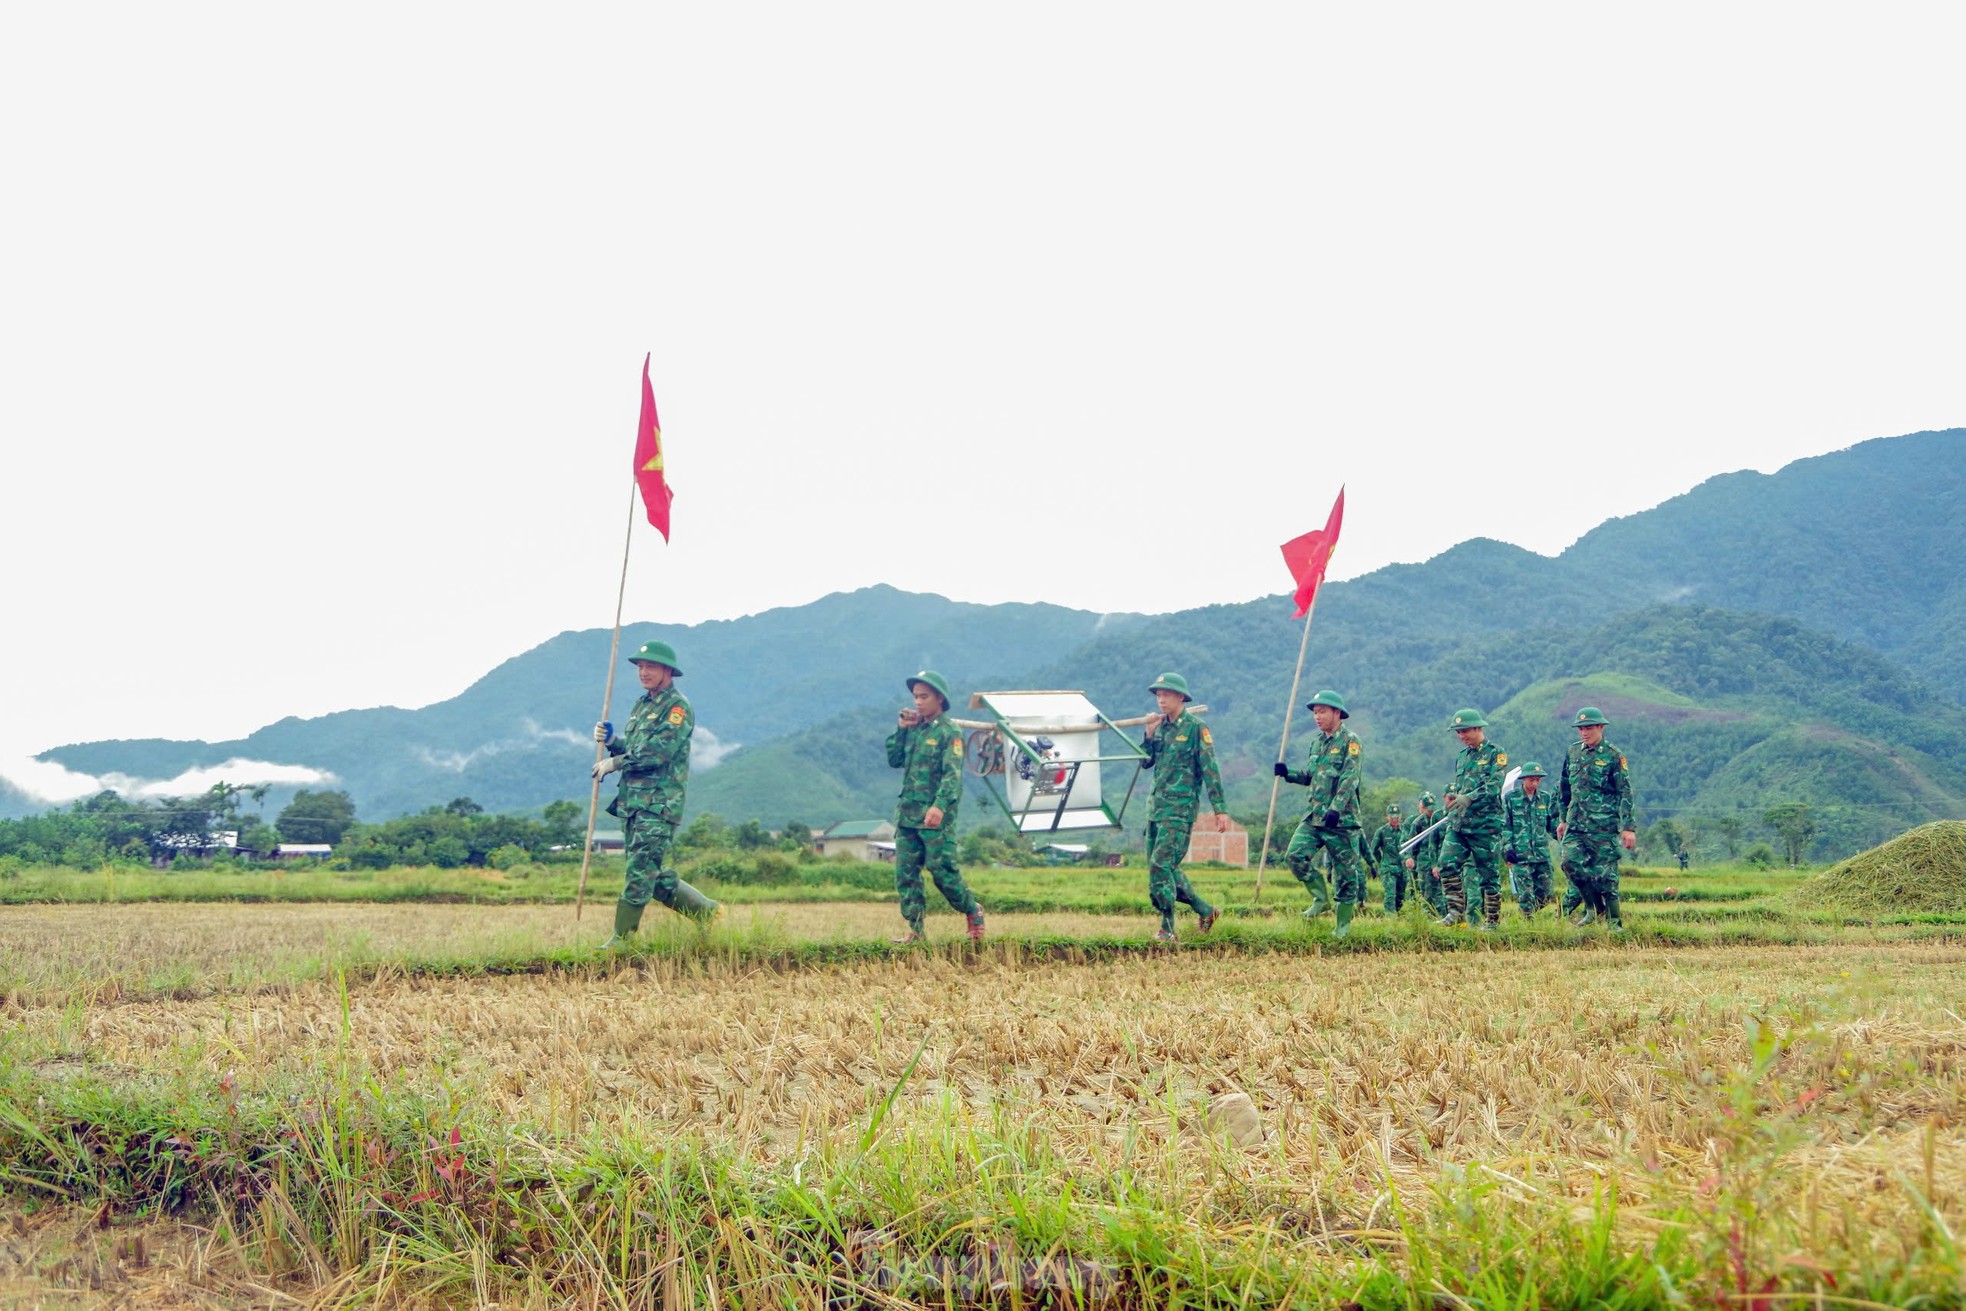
607 700
1283 748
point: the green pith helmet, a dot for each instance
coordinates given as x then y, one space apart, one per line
657 653
934 680
1428 800
1532 770
1469 718
1392 810
1587 716
1329 698
1171 683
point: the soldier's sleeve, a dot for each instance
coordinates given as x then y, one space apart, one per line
950 790
1563 786
1150 743
1299 777
1344 789
1627 804
1488 775
897 748
1550 817
1211 776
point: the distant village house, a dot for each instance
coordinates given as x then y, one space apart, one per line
862 839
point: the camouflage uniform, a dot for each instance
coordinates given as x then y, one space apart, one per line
930 757
1426 859
1528 824
1382 852
1596 794
1471 852
654 756
1182 756
1333 780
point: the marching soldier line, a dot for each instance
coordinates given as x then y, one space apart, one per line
1453 861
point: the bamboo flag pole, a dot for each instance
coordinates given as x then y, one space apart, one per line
607 701
1283 748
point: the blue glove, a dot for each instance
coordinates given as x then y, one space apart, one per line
1331 818
604 732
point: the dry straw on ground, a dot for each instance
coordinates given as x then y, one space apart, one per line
1922 872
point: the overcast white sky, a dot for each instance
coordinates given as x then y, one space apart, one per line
320 327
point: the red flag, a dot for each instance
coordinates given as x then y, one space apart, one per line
1308 556
656 492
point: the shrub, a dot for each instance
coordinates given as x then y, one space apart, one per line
509 857
1761 856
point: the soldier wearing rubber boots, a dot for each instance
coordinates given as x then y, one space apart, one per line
1382 853
927 747
1529 818
1595 792
652 757
1181 753
1471 854
1331 822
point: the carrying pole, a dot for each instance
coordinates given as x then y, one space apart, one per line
1283 748
607 700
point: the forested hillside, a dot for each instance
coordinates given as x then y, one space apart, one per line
1798 635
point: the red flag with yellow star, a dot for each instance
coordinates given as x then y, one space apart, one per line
656 492
1309 555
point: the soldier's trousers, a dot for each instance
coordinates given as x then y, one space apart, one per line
1532 885
1471 872
1428 883
1393 875
646 838
936 848
1167 886
1340 847
1590 862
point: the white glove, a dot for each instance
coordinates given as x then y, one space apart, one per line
606 765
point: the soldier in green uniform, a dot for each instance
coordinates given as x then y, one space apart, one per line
1181 752
1423 861
652 756
1331 824
927 747
1598 817
1471 854
1528 823
1383 854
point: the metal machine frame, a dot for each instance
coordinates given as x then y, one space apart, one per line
1048 806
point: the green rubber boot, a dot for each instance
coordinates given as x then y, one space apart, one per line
1611 914
627 919
1313 881
688 901
1345 912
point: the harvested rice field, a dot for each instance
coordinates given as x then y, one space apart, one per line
723 1121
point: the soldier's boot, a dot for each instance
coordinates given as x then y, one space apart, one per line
1313 881
1611 914
1491 907
914 934
1585 914
973 925
1345 911
1457 898
1207 918
1165 933
688 901
627 919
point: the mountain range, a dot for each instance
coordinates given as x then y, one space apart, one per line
1799 635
